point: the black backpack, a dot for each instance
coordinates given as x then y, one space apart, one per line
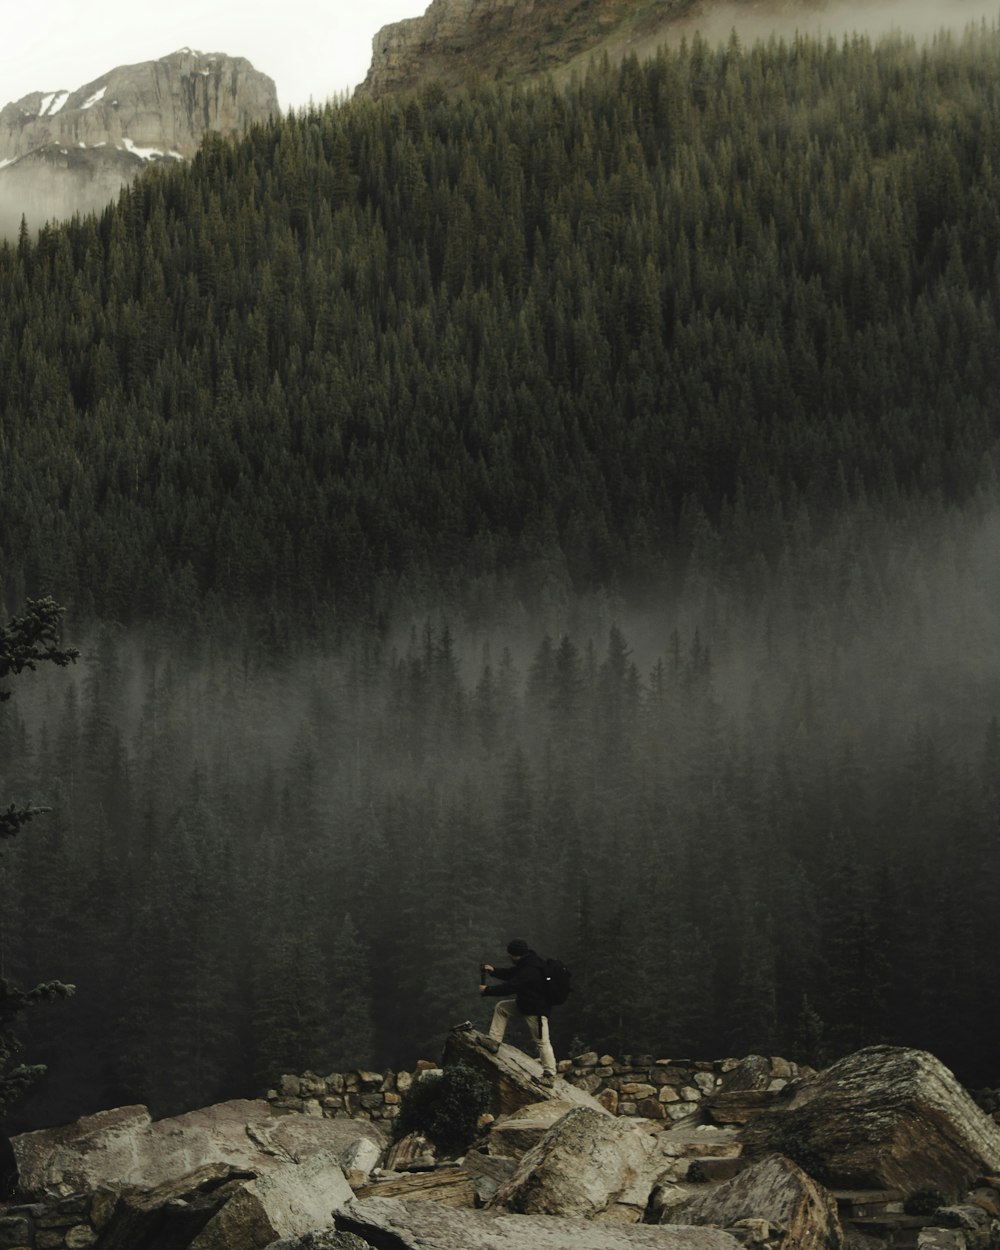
557 982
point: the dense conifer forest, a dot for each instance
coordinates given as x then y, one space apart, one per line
568 513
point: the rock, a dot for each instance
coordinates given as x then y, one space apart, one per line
327 1239
884 1118
739 1106
411 1151
487 1173
171 1214
515 37
73 150
515 1077
358 1160
453 1187
286 1202
514 1134
428 1226
125 1149
168 104
775 1190
584 1165
753 1072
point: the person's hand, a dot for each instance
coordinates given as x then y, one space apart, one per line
487 967
482 989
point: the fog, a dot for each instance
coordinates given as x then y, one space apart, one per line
919 19
667 779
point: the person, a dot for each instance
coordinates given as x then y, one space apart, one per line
522 991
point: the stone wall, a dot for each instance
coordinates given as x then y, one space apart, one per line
67 1224
634 1085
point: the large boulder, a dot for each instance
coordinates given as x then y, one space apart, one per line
125 1149
884 1118
775 1190
170 1215
211 1210
587 1165
513 1135
515 1076
286 1202
429 1226
325 1239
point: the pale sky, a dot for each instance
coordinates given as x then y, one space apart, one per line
317 48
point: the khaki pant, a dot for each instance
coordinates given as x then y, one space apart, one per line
538 1026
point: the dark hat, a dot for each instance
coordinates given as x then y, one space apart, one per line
518 947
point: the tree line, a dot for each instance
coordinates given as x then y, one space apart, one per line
418 345
569 513
767 827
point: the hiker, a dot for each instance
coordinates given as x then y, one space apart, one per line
522 991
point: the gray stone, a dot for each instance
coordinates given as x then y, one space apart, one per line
487 1173
75 150
14 1231
775 1190
429 1226
79 1237
884 1118
515 1077
583 1165
753 1072
123 1149
325 1239
411 1151
512 1135
287 1202
171 1214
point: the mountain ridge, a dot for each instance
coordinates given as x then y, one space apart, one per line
526 38
75 149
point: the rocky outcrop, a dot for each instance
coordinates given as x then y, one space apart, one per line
287 1202
518 40
68 150
509 38
126 1149
164 106
923 1159
516 1078
800 1214
513 1135
428 1226
585 1166
883 1118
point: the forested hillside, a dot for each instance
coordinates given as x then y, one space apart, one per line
567 513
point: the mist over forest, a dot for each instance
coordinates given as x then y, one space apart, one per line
563 513
756 819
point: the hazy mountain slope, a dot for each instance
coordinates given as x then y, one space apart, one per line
66 150
517 40
570 332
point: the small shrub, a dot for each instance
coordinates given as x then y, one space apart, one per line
924 1201
445 1108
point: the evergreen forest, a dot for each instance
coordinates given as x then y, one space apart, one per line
566 513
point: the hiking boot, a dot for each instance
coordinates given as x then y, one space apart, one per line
547 1079
491 1045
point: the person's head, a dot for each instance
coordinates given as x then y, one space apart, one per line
517 948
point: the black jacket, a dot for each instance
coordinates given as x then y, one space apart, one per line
526 981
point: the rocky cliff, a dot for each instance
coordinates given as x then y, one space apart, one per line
520 39
67 150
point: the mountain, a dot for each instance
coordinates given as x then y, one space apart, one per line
524 38
66 150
